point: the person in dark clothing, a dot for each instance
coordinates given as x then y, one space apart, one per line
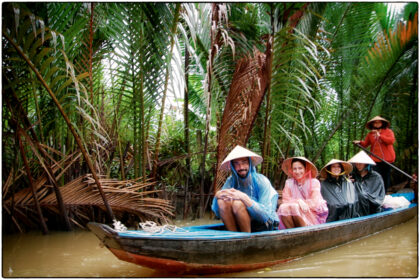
368 183
339 191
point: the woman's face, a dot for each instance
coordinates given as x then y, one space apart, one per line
360 166
336 169
298 169
377 124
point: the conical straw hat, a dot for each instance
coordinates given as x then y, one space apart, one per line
347 167
240 152
362 157
287 166
377 118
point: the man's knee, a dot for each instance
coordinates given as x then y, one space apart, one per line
224 204
238 206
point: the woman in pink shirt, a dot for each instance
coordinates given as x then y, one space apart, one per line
302 202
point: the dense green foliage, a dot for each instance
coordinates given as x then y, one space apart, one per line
112 66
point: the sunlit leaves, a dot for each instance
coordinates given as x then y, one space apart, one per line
33 39
296 71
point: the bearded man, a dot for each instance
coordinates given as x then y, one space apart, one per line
247 201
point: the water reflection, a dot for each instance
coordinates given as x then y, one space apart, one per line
391 253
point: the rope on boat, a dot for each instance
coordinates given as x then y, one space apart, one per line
118 226
149 227
152 227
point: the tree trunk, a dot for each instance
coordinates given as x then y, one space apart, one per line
136 125
186 129
121 159
31 183
114 135
168 67
92 6
212 54
267 119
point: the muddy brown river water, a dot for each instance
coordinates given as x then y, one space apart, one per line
390 253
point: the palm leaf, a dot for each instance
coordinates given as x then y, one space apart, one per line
243 101
124 197
296 74
16 50
139 36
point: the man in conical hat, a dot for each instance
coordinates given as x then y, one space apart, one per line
368 183
381 141
247 201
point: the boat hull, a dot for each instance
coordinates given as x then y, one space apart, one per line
180 267
207 250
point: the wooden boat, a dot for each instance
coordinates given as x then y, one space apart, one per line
210 249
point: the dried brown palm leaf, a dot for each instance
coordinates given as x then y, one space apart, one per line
9 181
247 91
23 196
80 192
69 161
58 153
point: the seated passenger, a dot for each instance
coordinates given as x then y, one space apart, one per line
339 191
247 201
368 183
302 203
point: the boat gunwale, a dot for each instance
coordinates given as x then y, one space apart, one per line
227 235
141 250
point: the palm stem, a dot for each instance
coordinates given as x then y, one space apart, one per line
168 67
67 120
31 183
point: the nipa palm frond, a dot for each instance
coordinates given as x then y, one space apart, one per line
243 101
123 196
296 73
128 196
392 43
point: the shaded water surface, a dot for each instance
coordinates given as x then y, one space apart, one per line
391 253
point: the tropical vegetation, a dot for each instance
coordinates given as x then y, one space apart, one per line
125 110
